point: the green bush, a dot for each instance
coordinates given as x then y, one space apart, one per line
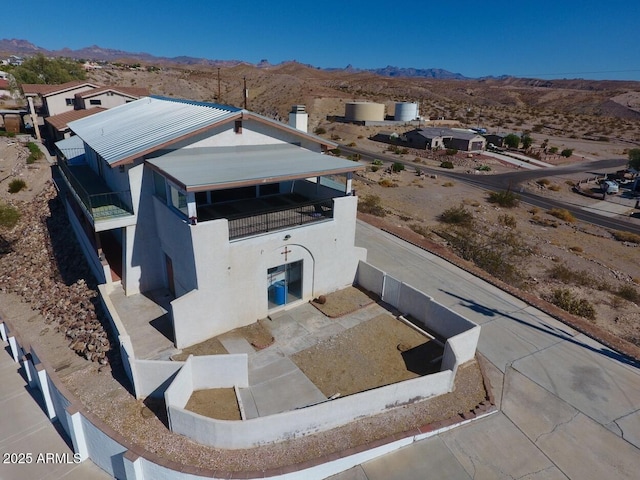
446 164
16 185
377 162
567 301
9 216
457 216
371 204
567 152
320 131
484 168
397 167
451 151
505 198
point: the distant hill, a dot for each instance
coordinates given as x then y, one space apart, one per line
96 53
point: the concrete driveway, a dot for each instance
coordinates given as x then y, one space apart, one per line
570 407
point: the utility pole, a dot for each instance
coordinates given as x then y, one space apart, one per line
219 95
246 92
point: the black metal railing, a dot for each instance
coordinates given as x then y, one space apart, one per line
99 205
244 225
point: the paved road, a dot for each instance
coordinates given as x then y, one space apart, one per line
570 407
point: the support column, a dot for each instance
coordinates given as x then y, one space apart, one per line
34 118
76 432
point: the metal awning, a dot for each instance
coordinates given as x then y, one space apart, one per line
213 168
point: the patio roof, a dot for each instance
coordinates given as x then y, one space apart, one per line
212 168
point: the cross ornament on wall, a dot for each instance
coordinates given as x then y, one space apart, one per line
285 252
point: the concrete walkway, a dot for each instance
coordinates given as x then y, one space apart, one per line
570 407
27 434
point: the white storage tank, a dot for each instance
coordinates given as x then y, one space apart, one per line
406 111
364 112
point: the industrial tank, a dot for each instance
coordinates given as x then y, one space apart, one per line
364 112
406 111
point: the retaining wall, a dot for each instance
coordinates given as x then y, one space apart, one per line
93 439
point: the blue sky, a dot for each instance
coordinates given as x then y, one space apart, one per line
543 39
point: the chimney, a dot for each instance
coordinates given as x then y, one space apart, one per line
299 118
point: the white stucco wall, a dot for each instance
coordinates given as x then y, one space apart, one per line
57 103
107 100
232 277
305 421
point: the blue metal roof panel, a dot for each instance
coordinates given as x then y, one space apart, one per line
138 126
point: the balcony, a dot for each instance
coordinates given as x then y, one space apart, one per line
267 214
99 202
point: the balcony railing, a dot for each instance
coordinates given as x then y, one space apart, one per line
101 204
244 225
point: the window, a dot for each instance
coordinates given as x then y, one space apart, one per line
69 101
238 126
95 102
179 200
159 186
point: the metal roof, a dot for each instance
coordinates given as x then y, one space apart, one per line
72 148
136 127
211 168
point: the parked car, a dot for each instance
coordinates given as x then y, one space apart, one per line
609 186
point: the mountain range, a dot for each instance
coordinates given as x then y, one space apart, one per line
95 53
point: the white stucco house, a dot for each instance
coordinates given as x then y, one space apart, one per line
236 215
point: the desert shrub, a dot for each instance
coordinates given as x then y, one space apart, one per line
553 150
448 184
553 187
371 204
451 151
567 301
562 214
397 167
534 210
623 236
544 222
35 153
336 151
7 134
484 168
457 216
16 185
9 216
498 253
508 220
385 182
375 168
628 293
567 152
571 183
543 182
505 198
564 274
320 131
576 249
446 164
377 162
420 229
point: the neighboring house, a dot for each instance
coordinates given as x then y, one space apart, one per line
58 125
55 100
232 213
108 97
495 139
436 137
